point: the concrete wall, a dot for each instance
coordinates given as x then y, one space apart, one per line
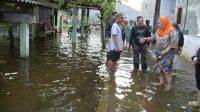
167 8
128 12
191 44
148 9
192 22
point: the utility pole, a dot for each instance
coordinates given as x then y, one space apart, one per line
156 15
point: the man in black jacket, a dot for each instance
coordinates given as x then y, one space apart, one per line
109 24
196 63
138 32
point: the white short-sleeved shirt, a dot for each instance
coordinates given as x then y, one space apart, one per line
116 30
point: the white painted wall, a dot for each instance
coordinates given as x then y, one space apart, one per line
191 45
167 8
148 10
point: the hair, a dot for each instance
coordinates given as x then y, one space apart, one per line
113 13
147 21
139 17
119 15
125 22
175 25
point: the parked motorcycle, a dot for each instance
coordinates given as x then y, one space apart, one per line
86 30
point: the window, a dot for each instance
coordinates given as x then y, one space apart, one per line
179 16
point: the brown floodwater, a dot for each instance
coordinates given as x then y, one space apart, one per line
63 77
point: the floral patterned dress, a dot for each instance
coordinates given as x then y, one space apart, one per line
165 61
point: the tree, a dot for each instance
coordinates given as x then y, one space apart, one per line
107 6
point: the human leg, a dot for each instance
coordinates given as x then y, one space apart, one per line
136 58
144 57
168 77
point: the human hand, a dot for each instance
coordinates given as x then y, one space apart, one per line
162 53
179 52
142 40
194 61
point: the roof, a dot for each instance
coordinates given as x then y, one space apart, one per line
29 2
36 2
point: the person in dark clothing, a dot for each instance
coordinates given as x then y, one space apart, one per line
181 38
138 32
108 30
196 63
179 50
109 24
149 27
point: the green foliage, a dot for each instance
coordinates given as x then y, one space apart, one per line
107 6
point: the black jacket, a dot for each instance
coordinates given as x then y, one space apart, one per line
137 33
181 40
197 55
108 28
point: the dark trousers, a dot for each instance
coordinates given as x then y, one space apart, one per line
197 75
137 51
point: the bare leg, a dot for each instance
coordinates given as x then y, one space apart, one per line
111 66
169 80
161 78
198 97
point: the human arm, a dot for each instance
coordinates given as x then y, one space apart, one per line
181 43
195 57
116 42
131 37
172 43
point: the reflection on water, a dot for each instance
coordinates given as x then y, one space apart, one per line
63 77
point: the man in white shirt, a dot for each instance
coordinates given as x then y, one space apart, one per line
116 43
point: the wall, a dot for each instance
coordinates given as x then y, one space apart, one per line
148 9
191 44
167 7
192 22
128 12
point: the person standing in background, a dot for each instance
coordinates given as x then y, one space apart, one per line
138 32
116 44
109 26
176 62
196 63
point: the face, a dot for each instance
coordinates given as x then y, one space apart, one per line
158 24
140 21
120 19
114 17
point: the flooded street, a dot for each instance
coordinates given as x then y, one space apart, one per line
63 77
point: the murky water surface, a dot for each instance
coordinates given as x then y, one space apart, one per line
62 77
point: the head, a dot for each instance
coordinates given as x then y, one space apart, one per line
140 21
164 25
175 25
147 22
131 22
134 23
119 18
114 16
125 23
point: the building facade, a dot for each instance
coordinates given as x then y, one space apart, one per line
187 12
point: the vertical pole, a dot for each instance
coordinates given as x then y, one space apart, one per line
11 36
185 16
88 14
102 32
156 15
58 20
75 13
24 40
82 21
61 24
52 18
